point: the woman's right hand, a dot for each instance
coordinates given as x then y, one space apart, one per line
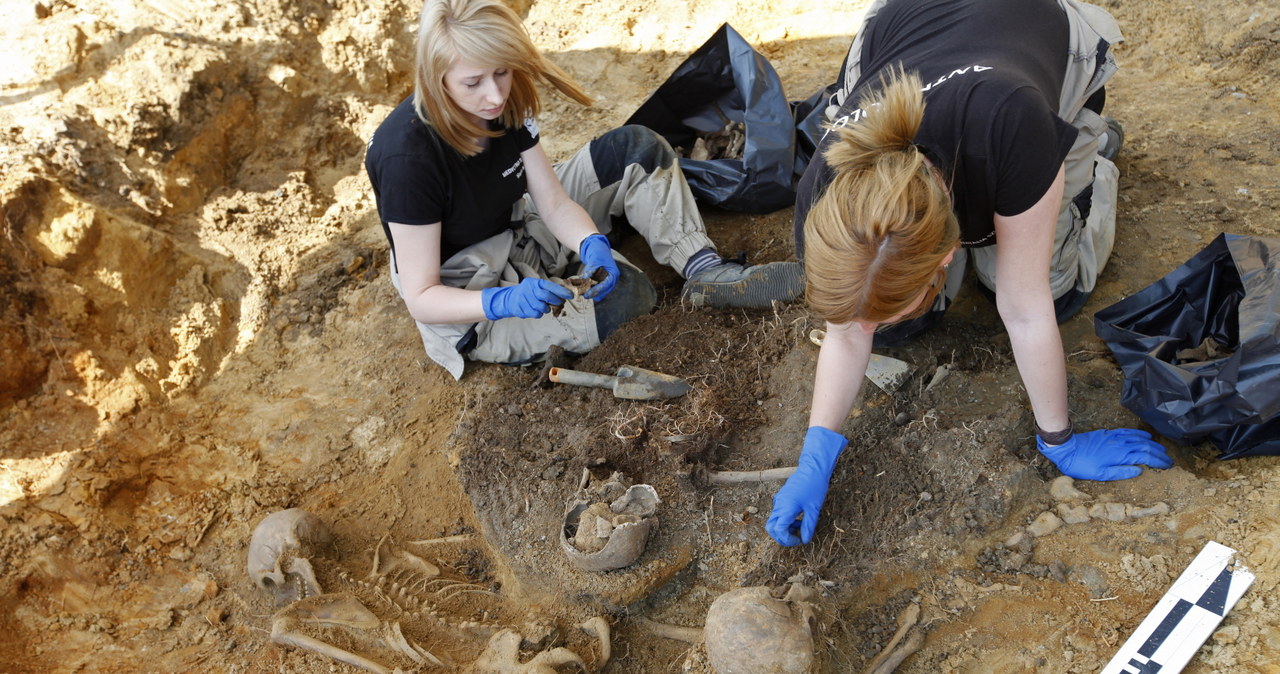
806 489
532 298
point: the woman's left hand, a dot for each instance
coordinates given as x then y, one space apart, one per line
1106 454
597 255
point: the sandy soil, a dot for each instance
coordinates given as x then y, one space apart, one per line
198 330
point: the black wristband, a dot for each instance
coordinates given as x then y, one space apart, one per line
1058 437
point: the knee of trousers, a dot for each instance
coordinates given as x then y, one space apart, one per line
613 152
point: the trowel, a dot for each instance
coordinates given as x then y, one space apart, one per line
631 383
883 371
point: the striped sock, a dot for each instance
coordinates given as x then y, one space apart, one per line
701 261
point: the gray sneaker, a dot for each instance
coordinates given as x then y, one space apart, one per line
1112 139
755 287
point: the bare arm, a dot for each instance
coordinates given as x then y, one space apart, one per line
565 218
1025 302
418 262
418 248
842 362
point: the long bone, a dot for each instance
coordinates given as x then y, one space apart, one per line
888 659
328 610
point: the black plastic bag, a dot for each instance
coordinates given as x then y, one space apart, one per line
1228 293
726 81
810 118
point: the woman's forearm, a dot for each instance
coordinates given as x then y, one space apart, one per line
563 216
1026 304
1037 349
441 304
417 257
570 224
842 362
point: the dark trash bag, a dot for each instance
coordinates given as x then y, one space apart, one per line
726 80
810 118
1229 292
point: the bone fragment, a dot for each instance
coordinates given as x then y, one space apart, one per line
890 664
306 643
550 662
799 592
430 658
640 500
394 637
332 609
906 620
502 656
598 627
457 538
690 635
588 537
699 151
938 375
418 564
740 476
377 557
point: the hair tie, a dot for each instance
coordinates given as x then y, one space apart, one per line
1058 437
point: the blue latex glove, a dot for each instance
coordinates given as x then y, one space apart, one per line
596 254
531 299
1106 455
806 489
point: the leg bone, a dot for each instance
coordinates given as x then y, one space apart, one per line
906 620
690 635
283 632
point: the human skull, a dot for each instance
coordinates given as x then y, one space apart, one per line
600 537
280 554
751 630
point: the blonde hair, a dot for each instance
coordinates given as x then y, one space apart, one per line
879 233
483 33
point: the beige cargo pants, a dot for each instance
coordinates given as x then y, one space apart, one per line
629 172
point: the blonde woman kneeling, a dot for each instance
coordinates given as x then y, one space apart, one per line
958 137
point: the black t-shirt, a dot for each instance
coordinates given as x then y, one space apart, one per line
418 179
992 73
